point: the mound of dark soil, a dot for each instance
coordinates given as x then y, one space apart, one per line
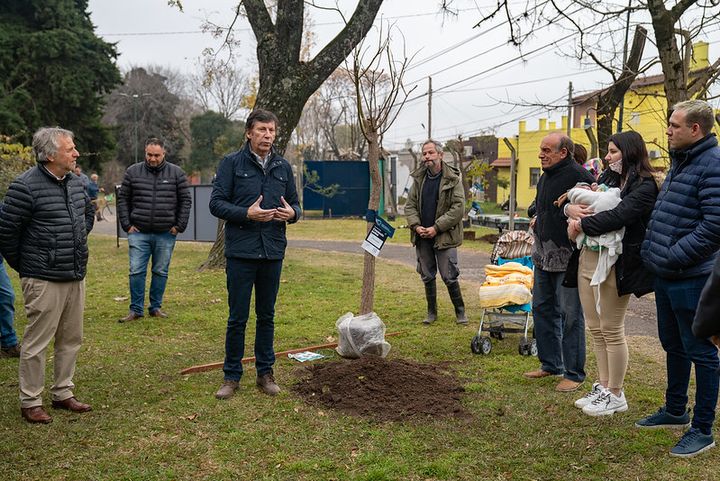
382 389
490 238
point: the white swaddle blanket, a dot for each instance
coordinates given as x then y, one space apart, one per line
610 243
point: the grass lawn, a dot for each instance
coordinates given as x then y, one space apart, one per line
151 423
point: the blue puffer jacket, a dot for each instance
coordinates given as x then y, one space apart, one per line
683 235
240 180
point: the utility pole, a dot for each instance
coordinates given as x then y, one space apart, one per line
429 107
513 183
625 48
135 98
570 105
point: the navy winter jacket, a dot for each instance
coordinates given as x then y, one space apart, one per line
154 199
44 226
683 235
240 180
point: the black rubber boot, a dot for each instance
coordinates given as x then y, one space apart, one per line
457 300
431 297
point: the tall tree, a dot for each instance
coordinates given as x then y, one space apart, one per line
54 70
380 95
140 108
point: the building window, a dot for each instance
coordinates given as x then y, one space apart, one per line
634 118
468 150
534 177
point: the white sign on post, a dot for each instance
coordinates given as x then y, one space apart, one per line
377 236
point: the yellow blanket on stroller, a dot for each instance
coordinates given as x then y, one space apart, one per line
507 284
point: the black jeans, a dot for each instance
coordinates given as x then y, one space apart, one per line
242 275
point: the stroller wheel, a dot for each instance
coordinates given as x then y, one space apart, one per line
475 344
481 345
533 347
527 347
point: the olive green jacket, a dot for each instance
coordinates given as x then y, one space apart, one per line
450 208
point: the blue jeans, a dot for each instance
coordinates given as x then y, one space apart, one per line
242 275
559 326
141 247
8 338
676 301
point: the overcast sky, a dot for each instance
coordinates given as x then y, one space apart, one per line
475 73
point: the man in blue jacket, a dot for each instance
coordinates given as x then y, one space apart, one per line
680 246
254 193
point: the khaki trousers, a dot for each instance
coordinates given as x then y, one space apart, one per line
54 309
607 326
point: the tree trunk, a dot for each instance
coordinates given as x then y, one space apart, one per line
367 296
216 258
673 68
613 96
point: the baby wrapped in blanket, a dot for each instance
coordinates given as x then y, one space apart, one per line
609 244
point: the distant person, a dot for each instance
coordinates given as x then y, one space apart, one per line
581 154
9 346
680 247
558 317
44 226
83 178
153 207
94 193
254 192
604 305
434 211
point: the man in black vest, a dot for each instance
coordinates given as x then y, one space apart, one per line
153 206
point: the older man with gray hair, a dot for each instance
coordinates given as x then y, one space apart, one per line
434 210
44 226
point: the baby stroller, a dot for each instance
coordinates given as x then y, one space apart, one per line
507 305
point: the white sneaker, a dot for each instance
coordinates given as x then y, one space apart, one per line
607 403
594 393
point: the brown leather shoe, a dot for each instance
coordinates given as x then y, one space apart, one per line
35 415
12 351
267 383
537 374
72 404
566 385
158 313
227 390
132 316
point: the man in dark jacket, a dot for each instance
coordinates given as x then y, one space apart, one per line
680 246
44 226
254 193
153 206
558 317
434 210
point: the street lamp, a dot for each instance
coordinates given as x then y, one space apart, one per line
135 98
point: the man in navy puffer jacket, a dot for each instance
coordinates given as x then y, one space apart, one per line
680 246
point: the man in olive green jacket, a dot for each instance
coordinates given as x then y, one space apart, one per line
434 210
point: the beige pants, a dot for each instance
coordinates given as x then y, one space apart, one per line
607 326
54 309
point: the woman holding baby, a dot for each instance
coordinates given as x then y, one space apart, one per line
604 304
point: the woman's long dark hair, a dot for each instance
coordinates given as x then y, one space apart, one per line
634 153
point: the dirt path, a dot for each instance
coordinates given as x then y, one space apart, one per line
640 320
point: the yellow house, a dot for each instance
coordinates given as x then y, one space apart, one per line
645 110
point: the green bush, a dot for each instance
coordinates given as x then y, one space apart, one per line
14 160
